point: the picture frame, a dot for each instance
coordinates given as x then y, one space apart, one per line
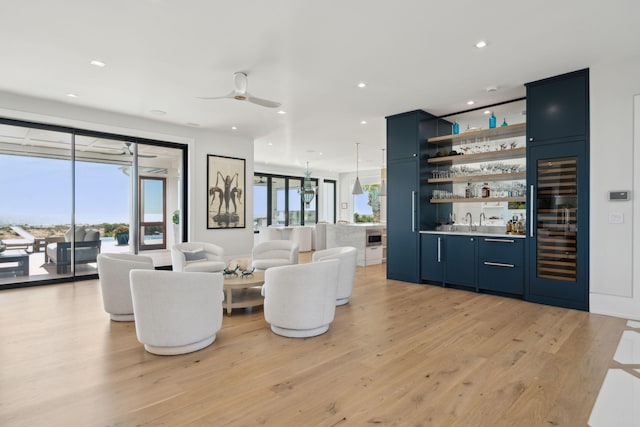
226 192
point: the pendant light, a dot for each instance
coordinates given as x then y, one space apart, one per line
357 188
307 191
383 182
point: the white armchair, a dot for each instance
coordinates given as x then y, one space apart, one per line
346 272
113 271
197 256
176 312
300 300
274 253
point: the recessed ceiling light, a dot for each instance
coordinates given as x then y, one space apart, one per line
233 128
158 112
282 112
470 102
72 95
98 63
487 111
269 144
481 44
364 122
492 89
362 84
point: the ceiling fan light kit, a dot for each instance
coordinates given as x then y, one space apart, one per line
240 93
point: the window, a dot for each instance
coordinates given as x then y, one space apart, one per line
277 201
366 206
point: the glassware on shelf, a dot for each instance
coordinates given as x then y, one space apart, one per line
492 121
456 128
504 122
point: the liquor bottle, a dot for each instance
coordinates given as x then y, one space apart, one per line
456 128
486 192
468 191
492 121
504 122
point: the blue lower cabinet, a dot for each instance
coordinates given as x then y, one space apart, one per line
432 254
501 277
501 266
461 256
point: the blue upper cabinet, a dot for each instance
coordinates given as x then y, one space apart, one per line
403 135
558 108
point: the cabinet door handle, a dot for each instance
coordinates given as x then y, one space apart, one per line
500 240
531 210
531 139
498 264
439 238
413 211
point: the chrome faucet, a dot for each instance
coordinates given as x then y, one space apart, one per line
468 215
482 216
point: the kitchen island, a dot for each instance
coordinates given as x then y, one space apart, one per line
367 238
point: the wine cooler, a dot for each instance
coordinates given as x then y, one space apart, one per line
558 225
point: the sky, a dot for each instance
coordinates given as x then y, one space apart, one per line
36 191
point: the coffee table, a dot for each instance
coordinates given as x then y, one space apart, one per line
248 291
20 257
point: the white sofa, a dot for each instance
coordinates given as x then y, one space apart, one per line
113 271
300 300
274 253
347 256
176 312
197 256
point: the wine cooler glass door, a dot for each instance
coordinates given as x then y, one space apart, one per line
558 225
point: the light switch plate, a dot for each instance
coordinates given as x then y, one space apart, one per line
616 218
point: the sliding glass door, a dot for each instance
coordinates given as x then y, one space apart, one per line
277 201
73 194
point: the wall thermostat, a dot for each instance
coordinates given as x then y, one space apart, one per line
619 195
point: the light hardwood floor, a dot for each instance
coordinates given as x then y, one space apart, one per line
398 355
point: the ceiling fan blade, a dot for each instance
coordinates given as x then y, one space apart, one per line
263 102
229 95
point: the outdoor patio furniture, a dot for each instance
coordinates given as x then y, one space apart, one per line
87 248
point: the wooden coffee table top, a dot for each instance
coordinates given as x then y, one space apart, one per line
239 282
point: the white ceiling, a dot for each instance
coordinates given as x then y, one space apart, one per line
308 55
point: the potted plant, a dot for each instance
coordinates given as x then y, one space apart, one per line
121 234
175 218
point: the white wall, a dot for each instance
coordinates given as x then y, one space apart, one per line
236 242
614 248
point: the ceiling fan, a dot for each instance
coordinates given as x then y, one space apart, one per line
112 151
127 151
240 93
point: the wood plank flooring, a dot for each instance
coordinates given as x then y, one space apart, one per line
398 355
